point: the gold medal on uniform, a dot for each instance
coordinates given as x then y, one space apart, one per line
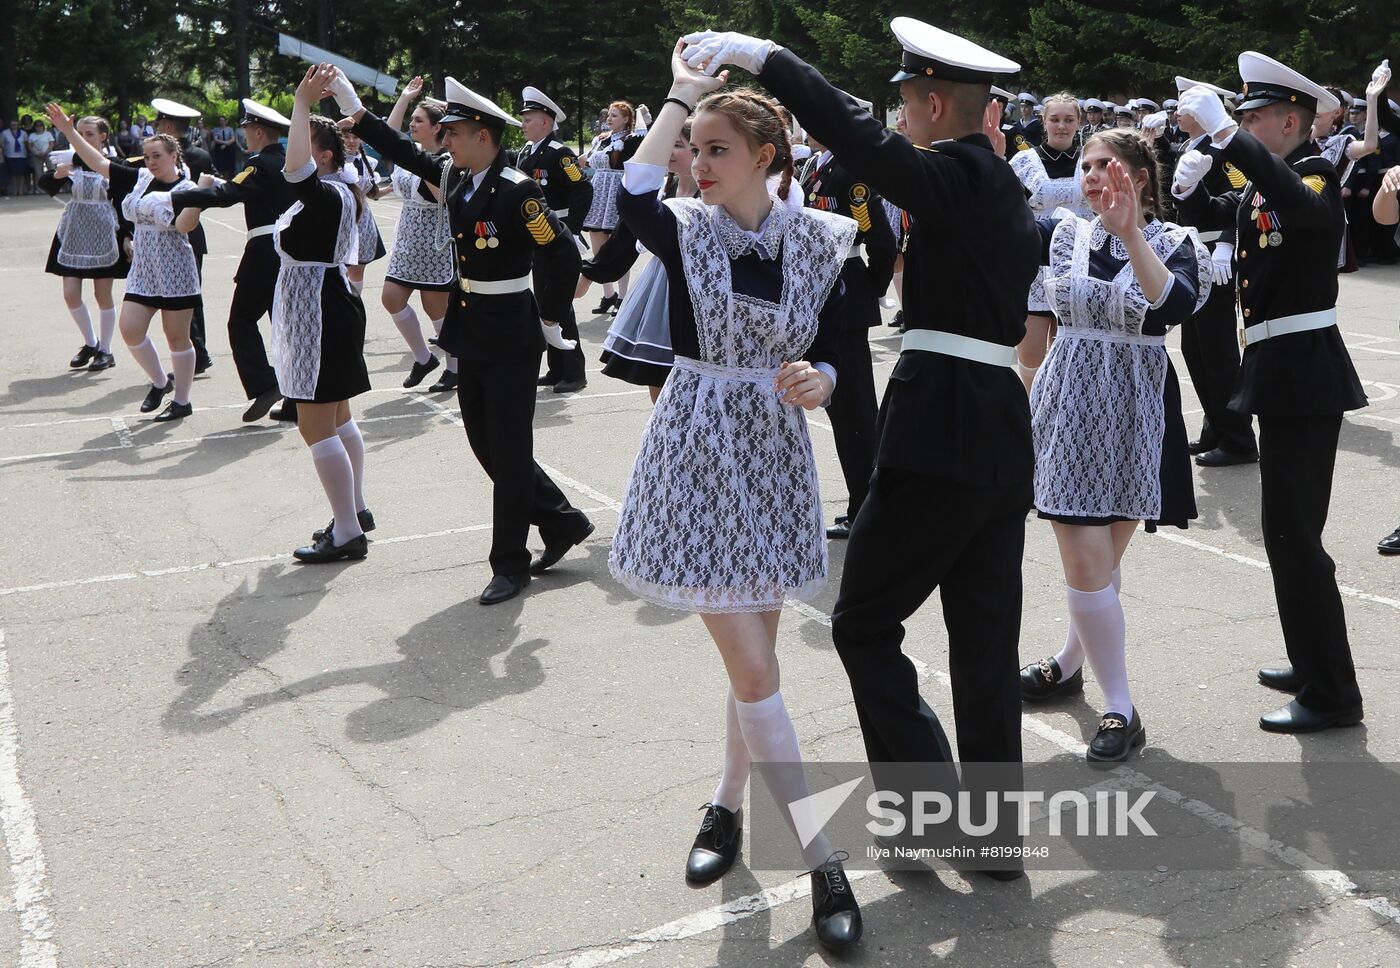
1263 240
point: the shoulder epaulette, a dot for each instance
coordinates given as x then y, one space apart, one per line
557 144
512 175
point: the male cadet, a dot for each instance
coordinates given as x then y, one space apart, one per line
1296 374
1028 131
1209 340
854 407
264 195
1093 119
1173 134
500 224
947 503
554 166
173 118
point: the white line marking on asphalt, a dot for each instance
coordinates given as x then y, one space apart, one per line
122 431
21 837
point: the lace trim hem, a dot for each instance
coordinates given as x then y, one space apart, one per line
716 600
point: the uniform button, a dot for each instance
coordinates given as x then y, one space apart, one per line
1244 283
459 235
463 302
1243 253
1246 314
461 258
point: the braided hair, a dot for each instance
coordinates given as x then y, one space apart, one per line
327 136
758 118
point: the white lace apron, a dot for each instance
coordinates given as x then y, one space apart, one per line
723 511
162 262
296 300
87 230
1046 194
1096 406
602 214
367 228
422 252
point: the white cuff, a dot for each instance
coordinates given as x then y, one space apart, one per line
1166 291
830 371
1185 194
640 178
301 174
1228 138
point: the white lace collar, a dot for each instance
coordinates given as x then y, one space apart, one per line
1098 235
737 241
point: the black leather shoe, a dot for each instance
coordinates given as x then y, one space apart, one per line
843 518
287 412
84 357
323 551
835 913
1220 457
202 362
156 394
102 361
1200 445
446 382
1042 680
1390 544
898 321
570 386
839 531
1283 679
364 517
503 588
174 411
1297 718
608 304
261 404
716 845
553 552
1116 738
548 380
420 371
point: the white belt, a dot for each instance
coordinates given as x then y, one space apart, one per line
857 251
260 231
1214 236
1288 324
964 347
562 212
495 287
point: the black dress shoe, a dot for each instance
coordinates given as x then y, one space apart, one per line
1043 680
553 552
898 321
84 357
842 518
1283 679
364 517
835 913
202 362
548 380
1200 446
102 361
1219 457
716 845
1117 737
419 371
503 587
156 394
608 304
287 412
1390 544
570 386
322 551
1297 718
174 411
839 531
261 404
446 382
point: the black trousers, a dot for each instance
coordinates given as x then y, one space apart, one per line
1296 457
1211 349
197 320
916 533
853 412
254 284
563 366
498 410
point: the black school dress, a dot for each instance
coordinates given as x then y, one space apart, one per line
88 241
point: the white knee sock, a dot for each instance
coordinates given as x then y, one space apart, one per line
1098 618
737 763
357 285
182 362
449 361
338 480
622 283
406 322
108 322
145 355
349 433
772 744
1071 657
608 290
84 321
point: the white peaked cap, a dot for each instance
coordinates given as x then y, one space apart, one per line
464 104
173 109
1184 84
1266 81
932 52
533 99
253 111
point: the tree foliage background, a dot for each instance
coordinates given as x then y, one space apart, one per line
113 56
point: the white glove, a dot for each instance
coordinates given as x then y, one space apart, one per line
345 97
1190 170
719 48
555 337
1205 106
1382 72
1222 263
1154 124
